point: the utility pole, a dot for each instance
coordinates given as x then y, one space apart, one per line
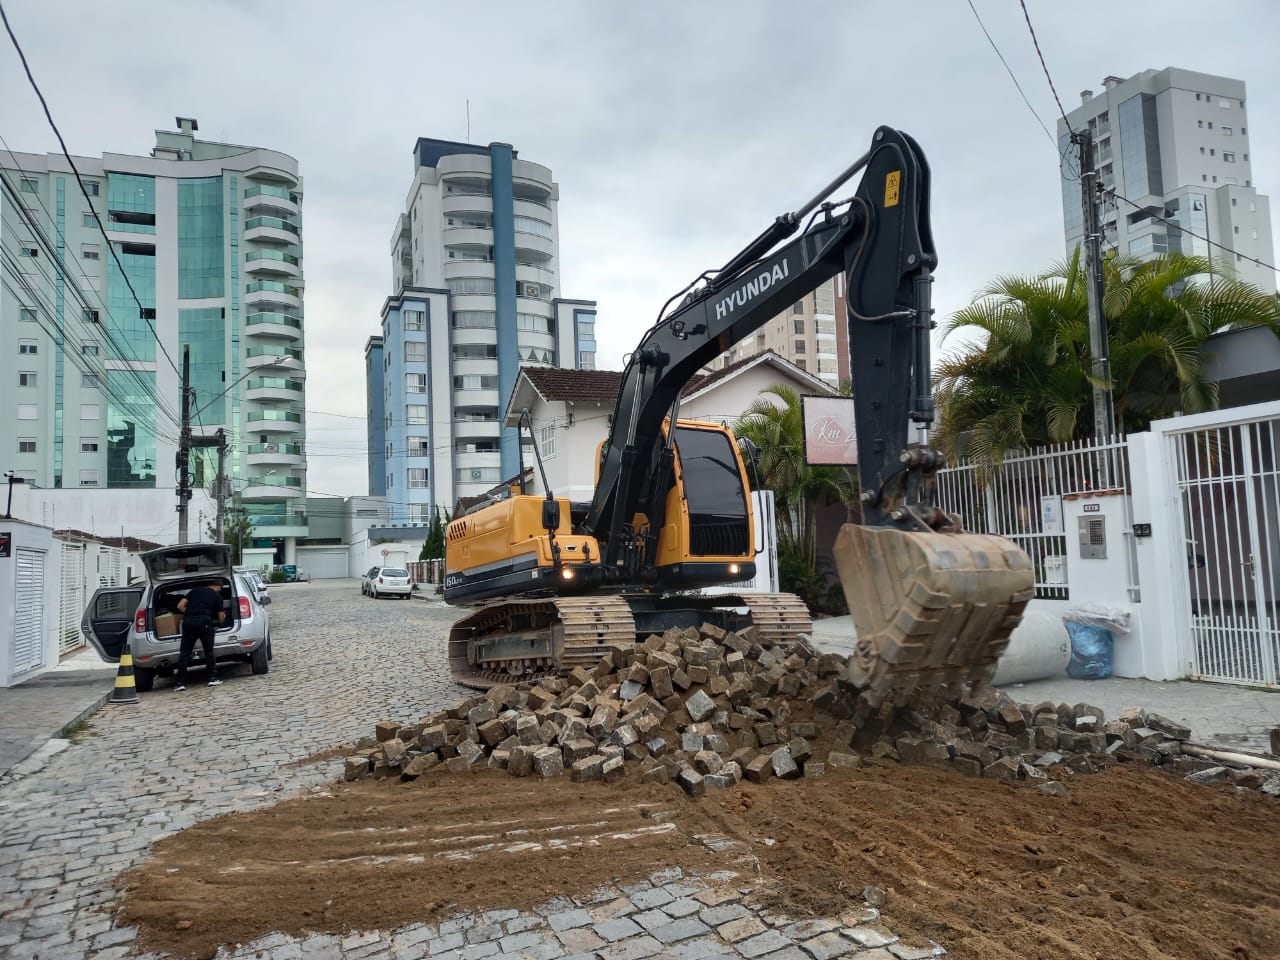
1090 193
221 484
184 448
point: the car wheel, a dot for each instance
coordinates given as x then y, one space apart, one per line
258 660
144 679
270 655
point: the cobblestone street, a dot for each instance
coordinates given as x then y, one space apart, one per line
342 663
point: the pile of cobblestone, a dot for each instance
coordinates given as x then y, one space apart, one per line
709 708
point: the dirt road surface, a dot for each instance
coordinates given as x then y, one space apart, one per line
1132 865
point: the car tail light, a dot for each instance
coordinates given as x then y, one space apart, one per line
140 622
380 580
246 611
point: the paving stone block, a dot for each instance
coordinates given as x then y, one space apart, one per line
763 943
828 945
741 929
634 949
682 929
618 928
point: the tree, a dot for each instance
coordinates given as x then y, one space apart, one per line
433 546
1027 381
798 488
237 531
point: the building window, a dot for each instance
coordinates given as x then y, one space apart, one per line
1233 201
26 445
419 447
30 186
91 316
533 322
1198 97
1212 152
90 411
1200 124
27 313
1227 131
28 346
89 251
415 414
1244 131
1202 151
27 248
89 380
1228 156
587 360
798 324
88 444
89 348
1210 124
474 320
800 363
1225 104
475 381
91 187
414 320
87 220
547 441
416 382
415 351
798 307
417 478
799 346
28 411
27 378
88 478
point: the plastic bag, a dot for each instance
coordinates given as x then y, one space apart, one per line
1115 619
1092 648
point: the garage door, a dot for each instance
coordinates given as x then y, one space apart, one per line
28 634
323 564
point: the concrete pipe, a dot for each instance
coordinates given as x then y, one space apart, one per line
1039 648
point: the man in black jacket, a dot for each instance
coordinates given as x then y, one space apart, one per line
202 613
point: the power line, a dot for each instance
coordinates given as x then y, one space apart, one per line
83 190
1044 66
1009 70
1182 229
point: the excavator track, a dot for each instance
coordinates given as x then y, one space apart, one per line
513 641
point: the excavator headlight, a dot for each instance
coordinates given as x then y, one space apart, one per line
734 569
567 573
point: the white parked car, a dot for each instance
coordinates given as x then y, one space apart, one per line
389 582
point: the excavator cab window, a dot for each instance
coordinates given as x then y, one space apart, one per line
719 522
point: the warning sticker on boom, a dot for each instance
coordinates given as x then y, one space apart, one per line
892 181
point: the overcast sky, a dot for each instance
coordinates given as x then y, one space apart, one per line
676 130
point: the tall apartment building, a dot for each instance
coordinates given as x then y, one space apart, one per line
812 333
207 237
1173 144
475 269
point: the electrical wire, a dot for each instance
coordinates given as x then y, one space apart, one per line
1036 40
80 181
1009 70
1182 229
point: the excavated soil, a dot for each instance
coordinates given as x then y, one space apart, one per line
1133 865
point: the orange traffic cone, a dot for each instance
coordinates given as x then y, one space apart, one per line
125 690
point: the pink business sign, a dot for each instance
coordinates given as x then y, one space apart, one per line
829 433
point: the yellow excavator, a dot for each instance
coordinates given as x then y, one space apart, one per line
559 583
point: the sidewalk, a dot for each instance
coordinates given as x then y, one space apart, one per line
44 708
1218 714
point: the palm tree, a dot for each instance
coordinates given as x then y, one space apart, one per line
1028 380
777 429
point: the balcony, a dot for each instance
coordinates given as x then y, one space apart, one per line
274 292
272 263
464 430
454 269
274 421
454 203
270 454
279 198
535 273
530 207
270 230
273 356
272 487
461 238
282 524
270 324
533 247
274 388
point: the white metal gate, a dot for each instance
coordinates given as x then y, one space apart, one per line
70 597
1228 484
28 633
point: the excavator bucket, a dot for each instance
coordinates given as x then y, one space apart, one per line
930 609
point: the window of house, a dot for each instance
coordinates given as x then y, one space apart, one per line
417 477
799 346
1210 124
27 248
547 441
586 360
419 447
1225 104
91 187
27 313
90 411
26 445
416 382
1198 97
1236 229
1227 131
28 346
92 283
1212 152
1246 158
88 478
28 411
1202 151
89 251
28 280
89 348
29 185
91 316
1244 131
800 363
88 444
414 319
88 380
798 307
27 378
1200 124
1215 178
1228 156
798 324
415 351
87 220
415 414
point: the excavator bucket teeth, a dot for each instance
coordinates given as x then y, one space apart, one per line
930 609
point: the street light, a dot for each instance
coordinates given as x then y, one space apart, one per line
13 478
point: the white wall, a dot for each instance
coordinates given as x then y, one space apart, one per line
729 399
146 514
34 537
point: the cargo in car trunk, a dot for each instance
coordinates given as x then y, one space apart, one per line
164 606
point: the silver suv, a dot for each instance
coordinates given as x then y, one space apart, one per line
145 615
